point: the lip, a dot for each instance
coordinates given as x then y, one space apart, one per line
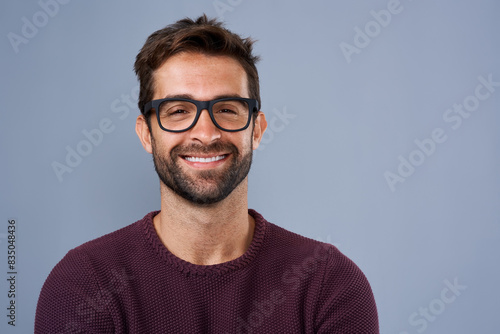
199 161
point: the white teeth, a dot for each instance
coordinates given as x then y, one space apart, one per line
212 159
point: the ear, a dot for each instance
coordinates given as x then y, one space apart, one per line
142 130
259 129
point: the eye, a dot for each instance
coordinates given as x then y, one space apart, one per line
178 111
227 111
175 112
176 108
227 108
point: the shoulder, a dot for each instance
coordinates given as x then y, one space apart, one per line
108 251
341 293
290 249
78 290
290 245
346 303
113 246
317 256
279 235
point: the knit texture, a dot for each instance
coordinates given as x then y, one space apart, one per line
128 282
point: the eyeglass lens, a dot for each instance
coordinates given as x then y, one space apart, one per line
179 115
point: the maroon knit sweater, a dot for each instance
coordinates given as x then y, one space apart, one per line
128 282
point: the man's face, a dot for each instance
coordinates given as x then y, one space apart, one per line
204 164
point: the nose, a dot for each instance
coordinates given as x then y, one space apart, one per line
205 130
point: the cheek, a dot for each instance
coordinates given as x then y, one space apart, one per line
163 142
246 143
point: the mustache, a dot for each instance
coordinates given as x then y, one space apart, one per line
216 147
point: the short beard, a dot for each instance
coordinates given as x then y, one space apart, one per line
192 188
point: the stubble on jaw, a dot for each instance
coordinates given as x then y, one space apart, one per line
207 186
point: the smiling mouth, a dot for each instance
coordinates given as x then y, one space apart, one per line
208 159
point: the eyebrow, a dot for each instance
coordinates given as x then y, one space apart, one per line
191 97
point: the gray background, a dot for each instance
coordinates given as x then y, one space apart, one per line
321 170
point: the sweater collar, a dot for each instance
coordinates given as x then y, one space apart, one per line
208 270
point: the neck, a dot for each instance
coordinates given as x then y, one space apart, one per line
205 234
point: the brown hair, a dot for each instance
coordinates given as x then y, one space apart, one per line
207 36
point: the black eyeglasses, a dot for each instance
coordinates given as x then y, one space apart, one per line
229 114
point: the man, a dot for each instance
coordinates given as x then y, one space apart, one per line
205 263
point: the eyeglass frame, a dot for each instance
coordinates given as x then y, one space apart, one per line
253 107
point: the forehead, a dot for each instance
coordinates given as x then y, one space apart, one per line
202 76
